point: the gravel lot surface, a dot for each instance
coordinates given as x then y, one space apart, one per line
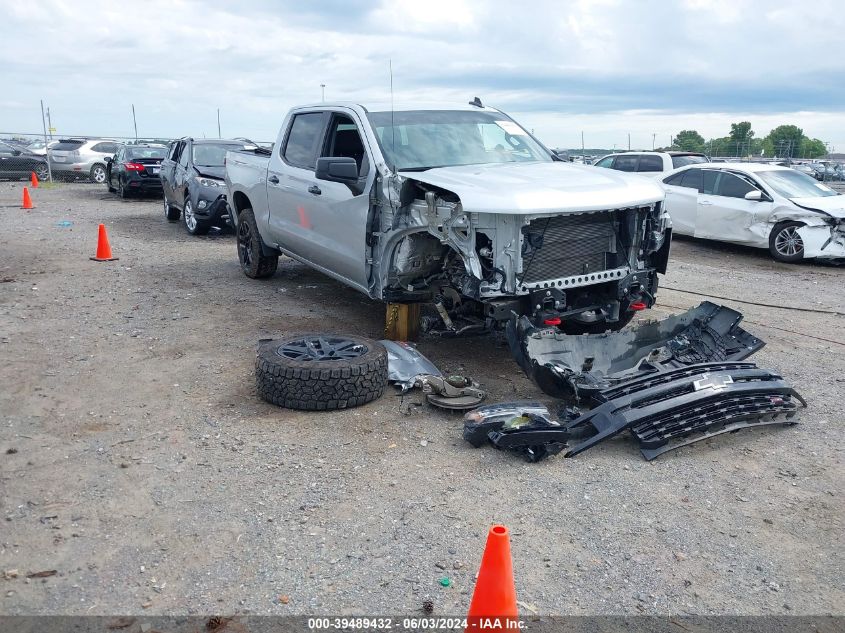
137 461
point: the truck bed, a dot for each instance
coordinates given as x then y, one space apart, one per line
246 172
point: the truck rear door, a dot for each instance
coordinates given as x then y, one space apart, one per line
322 222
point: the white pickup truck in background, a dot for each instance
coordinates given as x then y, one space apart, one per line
456 205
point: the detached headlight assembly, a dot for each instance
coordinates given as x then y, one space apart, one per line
209 182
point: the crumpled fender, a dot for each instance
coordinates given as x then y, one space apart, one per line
822 242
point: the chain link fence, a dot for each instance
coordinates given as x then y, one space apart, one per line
70 157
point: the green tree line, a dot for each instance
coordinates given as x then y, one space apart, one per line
784 141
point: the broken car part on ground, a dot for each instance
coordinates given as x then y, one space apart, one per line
407 368
671 383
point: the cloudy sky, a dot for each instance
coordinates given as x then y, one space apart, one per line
608 68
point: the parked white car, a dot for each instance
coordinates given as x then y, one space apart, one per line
759 205
654 164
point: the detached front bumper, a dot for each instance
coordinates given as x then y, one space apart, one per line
670 383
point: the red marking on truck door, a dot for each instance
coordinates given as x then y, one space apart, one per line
304 222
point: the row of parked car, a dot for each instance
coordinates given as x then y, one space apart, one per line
778 206
188 173
656 163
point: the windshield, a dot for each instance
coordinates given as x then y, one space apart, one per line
682 161
793 184
212 154
146 152
423 139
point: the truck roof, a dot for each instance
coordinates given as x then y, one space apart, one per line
385 106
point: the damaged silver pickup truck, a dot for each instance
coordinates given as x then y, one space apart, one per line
455 205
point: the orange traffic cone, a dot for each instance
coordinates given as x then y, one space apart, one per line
493 605
103 248
27 201
33 178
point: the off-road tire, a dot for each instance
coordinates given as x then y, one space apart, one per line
253 262
320 385
776 248
42 171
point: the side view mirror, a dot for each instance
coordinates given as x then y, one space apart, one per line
108 159
342 169
16 152
756 196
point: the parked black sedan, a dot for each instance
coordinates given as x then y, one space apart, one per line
135 169
17 163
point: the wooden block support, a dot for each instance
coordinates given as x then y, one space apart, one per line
402 322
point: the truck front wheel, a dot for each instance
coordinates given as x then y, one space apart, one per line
254 263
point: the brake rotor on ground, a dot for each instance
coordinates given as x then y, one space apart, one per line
456 393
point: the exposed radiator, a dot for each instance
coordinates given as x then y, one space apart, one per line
568 245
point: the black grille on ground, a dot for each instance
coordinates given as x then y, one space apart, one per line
682 406
709 416
568 245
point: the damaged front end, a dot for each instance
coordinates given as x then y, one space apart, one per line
670 383
592 267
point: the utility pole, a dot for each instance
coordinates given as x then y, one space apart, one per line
44 125
49 125
653 138
218 123
323 91
583 152
134 122
629 141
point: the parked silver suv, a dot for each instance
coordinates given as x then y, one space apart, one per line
81 158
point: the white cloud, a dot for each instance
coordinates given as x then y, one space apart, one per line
597 63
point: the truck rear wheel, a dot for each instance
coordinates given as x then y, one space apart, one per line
254 263
320 372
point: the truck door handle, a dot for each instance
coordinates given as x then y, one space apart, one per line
273 179
704 203
315 190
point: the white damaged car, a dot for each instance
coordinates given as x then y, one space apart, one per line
759 205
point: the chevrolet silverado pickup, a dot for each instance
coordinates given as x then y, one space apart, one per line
458 206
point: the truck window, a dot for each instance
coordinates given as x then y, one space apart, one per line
422 139
301 146
343 139
650 162
626 162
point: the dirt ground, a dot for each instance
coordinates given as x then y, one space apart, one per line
138 463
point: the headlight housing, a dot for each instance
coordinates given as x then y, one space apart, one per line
210 182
